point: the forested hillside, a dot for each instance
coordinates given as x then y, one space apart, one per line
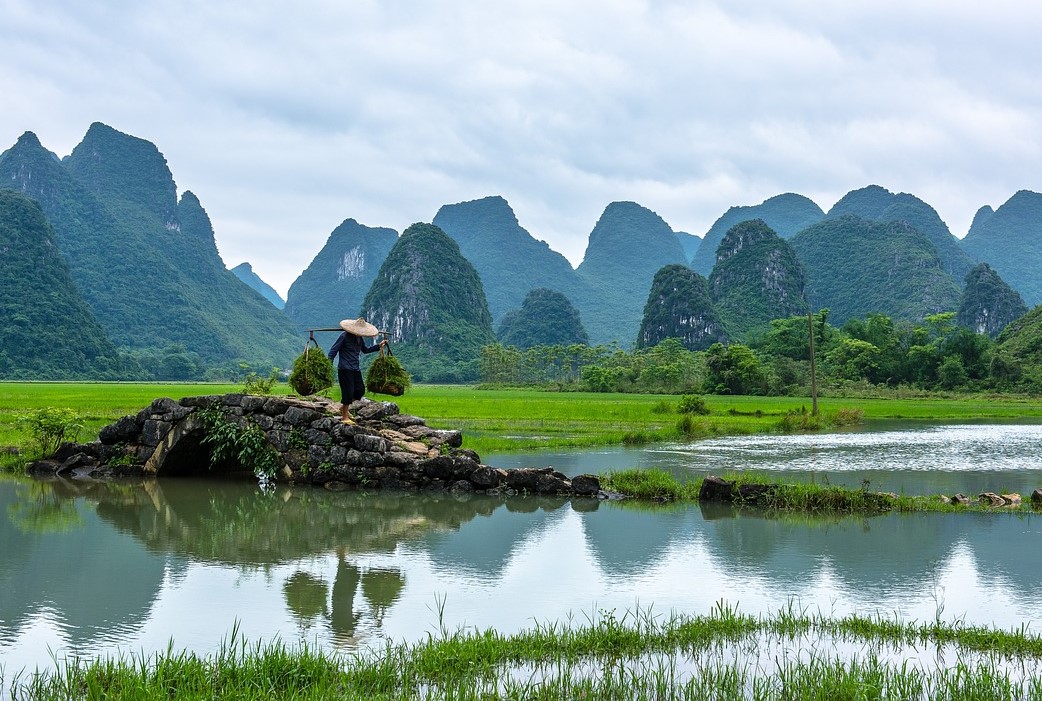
786 214
680 306
988 303
145 262
510 261
46 327
338 278
880 205
429 299
1010 240
628 245
856 267
756 278
546 318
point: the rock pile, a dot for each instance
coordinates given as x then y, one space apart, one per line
384 449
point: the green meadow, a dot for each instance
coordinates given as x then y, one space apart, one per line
504 420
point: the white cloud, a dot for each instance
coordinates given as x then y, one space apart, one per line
287 119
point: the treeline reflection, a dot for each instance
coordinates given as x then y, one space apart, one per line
95 556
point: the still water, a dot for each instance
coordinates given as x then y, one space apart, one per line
108 569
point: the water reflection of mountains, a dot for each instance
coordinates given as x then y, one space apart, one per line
235 524
63 546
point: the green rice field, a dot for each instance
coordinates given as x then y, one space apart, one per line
503 420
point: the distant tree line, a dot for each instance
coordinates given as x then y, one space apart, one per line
934 354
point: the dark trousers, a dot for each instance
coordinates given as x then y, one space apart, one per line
352 386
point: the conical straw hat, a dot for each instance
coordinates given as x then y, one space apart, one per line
359 327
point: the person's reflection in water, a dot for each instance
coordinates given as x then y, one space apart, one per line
342 618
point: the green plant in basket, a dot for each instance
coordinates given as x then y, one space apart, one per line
387 376
312 372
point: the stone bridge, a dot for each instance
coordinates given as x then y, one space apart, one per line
384 449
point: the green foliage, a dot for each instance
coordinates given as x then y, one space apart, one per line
1018 354
387 376
797 421
734 369
312 372
241 443
650 485
254 383
546 318
693 404
49 427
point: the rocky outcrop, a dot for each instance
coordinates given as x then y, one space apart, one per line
384 449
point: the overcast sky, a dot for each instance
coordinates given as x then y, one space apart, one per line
285 118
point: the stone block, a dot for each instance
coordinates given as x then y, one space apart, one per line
318 454
299 416
461 487
552 484
404 420
587 485
203 401
252 403
371 411
232 400
370 443
154 431
326 424
450 438
274 406
485 476
315 437
279 440
122 431
448 468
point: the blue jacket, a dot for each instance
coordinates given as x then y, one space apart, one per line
349 346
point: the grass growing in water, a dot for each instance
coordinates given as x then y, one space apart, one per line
659 485
635 655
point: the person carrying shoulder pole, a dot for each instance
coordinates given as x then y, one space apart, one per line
348 346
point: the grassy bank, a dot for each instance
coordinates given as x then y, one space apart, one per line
804 498
521 420
634 655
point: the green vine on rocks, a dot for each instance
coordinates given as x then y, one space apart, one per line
245 443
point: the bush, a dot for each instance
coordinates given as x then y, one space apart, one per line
255 384
49 427
693 404
848 416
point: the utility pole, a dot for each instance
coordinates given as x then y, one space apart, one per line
813 372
